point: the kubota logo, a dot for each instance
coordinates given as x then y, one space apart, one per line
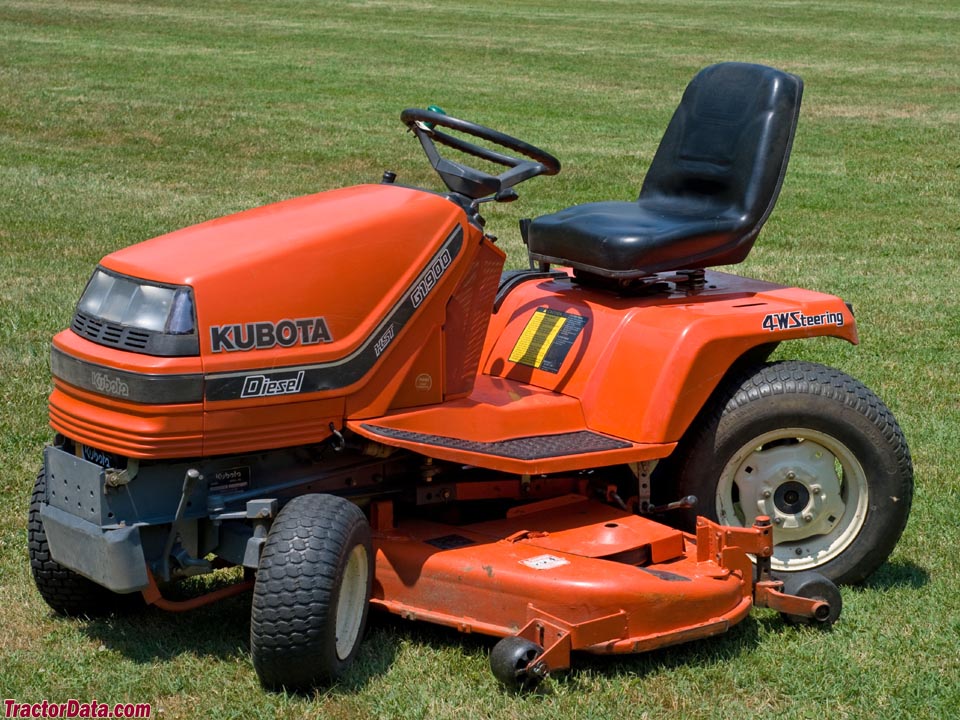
265 335
109 384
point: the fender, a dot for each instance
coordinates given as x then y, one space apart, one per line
643 367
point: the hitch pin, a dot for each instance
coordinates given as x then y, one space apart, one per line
338 442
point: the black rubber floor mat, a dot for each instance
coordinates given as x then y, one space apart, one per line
526 448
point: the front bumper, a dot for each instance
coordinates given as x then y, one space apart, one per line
73 516
112 558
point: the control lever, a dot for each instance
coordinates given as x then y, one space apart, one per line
506 195
684 503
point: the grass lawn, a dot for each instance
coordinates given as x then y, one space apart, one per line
122 120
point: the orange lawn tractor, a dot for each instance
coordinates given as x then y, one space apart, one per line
345 395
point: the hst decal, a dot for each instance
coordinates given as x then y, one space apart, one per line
795 319
385 339
265 335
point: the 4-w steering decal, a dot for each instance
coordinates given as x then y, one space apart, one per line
794 319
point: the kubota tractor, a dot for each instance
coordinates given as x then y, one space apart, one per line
345 395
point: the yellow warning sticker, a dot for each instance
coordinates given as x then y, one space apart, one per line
546 339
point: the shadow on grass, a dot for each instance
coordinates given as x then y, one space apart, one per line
898 574
741 638
221 631
147 634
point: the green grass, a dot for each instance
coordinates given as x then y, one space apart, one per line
122 120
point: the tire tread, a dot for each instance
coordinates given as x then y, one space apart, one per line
754 383
297 582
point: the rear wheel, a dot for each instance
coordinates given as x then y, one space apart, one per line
816 451
67 592
312 593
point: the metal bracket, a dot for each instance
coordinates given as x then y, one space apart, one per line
770 594
190 480
260 512
113 478
642 471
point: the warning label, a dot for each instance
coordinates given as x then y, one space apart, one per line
544 562
547 338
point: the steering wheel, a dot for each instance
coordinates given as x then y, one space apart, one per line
466 180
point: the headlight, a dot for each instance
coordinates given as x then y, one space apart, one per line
134 314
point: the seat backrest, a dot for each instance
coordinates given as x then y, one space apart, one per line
727 146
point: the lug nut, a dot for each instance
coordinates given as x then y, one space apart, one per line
815 489
767 494
808 518
791 475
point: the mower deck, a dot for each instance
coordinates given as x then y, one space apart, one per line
567 572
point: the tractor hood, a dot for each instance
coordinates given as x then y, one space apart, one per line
319 271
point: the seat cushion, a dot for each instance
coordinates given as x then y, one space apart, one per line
631 239
711 186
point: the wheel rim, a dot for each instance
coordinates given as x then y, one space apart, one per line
352 601
811 486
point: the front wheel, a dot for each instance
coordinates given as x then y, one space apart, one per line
817 452
312 593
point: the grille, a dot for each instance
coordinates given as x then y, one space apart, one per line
111 334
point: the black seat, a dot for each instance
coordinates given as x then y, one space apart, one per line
711 185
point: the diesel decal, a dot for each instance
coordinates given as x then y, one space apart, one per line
384 340
109 384
265 335
428 279
263 386
796 319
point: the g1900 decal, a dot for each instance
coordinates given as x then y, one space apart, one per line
429 277
265 335
794 319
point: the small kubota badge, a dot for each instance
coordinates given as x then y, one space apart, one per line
265 335
794 319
